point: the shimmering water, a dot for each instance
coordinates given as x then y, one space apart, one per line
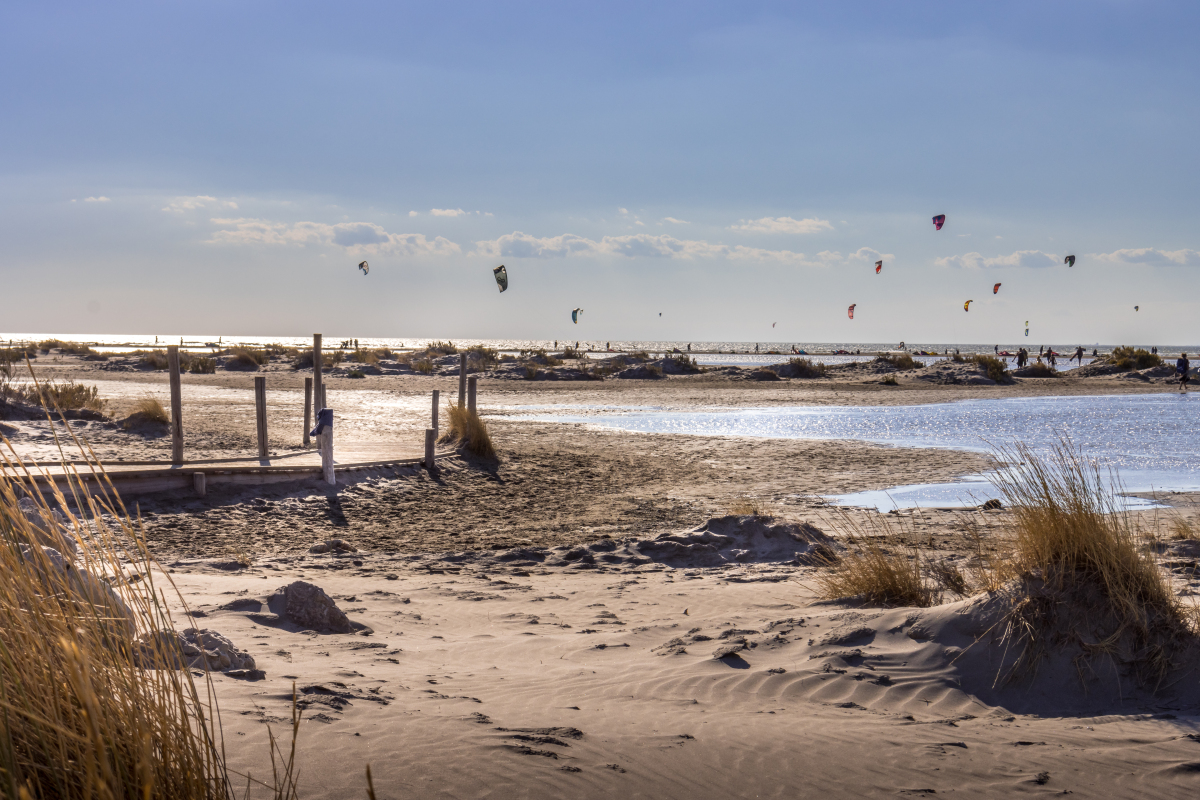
1149 440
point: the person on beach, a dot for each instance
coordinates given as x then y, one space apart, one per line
1078 355
1050 357
1182 366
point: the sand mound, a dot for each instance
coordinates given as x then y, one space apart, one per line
721 541
142 424
953 373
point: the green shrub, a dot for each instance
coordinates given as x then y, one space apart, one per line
201 365
1127 358
996 369
424 366
329 359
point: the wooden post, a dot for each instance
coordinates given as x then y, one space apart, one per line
462 379
317 384
199 483
176 407
327 455
471 385
260 412
324 403
436 394
430 438
308 396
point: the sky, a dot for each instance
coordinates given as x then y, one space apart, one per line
222 167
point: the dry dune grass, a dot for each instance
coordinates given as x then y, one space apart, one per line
92 700
466 429
877 567
151 410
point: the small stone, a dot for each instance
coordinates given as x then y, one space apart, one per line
309 606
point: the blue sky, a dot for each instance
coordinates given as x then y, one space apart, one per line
222 167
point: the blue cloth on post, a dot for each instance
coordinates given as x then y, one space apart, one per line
324 420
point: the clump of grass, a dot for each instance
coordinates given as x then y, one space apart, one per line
805 368
532 371
94 704
67 395
1181 528
466 429
901 361
202 365
540 356
743 506
1127 358
948 577
996 369
685 363
877 568
154 359
569 352
507 358
361 356
480 358
655 370
248 358
442 348
151 410
329 359
1080 569
356 373
1040 370
424 366
890 380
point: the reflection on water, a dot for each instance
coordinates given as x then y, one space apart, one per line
1149 439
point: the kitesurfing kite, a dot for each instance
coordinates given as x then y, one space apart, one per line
850 311
878 266
1069 261
939 221
772 324
576 314
967 305
996 289
1026 327
1135 308
501 275
364 267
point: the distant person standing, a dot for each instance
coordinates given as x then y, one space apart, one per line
1182 366
1078 355
1051 359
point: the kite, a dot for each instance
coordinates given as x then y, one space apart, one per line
660 313
1069 261
1135 308
364 267
772 324
501 275
850 311
967 305
878 266
996 289
576 314
1026 327
939 221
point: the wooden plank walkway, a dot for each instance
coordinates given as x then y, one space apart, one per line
141 477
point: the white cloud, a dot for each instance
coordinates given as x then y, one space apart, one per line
622 210
870 255
100 199
1021 258
782 225
522 245
447 212
182 204
1151 256
412 213
675 221
355 237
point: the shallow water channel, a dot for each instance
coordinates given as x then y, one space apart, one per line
1150 440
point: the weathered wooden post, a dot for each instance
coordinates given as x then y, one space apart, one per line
324 434
324 401
260 413
436 394
317 383
176 406
462 379
430 438
200 483
308 396
471 384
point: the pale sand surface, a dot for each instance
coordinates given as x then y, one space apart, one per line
453 657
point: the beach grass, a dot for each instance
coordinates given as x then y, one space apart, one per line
996 369
1129 358
361 356
806 368
201 365
423 366
877 567
901 361
329 359
67 395
150 409
466 429
1040 370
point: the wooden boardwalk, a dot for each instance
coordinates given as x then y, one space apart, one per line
141 477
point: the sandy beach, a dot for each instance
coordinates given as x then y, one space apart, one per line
560 624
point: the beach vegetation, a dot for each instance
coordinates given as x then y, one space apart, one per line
1039 370
569 352
356 373
329 359
743 506
151 410
805 368
202 365
152 359
423 366
466 429
507 358
995 368
684 363
878 567
481 358
64 395
442 348
901 361
655 370
890 380
246 358
532 371
361 356
540 356
1128 358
